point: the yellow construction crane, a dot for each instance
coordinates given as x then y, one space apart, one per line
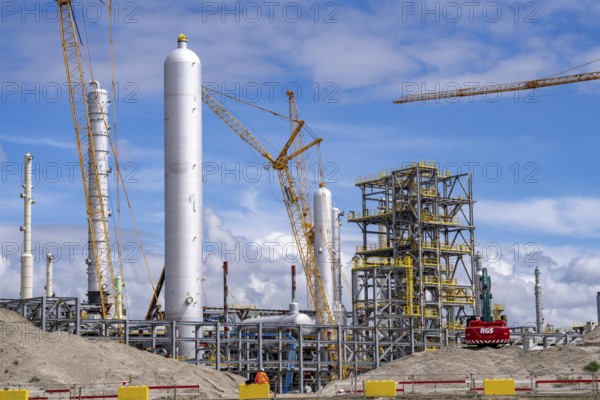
87 156
498 88
296 198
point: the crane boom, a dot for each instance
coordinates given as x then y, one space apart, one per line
86 153
299 211
498 88
233 123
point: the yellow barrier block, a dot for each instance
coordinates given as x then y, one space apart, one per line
133 393
254 391
503 387
17 394
379 388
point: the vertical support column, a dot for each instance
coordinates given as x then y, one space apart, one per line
419 238
225 297
260 345
174 339
355 335
240 333
375 319
301 359
218 345
598 305
471 234
43 313
77 317
319 357
341 356
281 357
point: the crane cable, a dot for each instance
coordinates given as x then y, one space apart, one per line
275 113
120 179
136 229
116 143
248 104
571 69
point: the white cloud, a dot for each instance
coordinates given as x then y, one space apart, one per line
129 151
26 139
369 52
568 288
569 216
259 265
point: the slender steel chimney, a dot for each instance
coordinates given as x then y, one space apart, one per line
26 257
539 318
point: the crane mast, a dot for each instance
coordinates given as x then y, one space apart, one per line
87 156
499 88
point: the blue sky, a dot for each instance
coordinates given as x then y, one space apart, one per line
533 156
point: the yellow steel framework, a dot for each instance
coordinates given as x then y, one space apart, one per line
417 230
85 150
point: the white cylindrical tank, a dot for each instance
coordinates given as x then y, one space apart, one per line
339 311
49 259
98 103
294 317
119 285
183 189
26 257
323 243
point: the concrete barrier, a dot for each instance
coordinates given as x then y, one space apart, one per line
502 387
379 388
16 394
254 391
132 393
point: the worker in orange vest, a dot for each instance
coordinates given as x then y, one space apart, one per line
261 377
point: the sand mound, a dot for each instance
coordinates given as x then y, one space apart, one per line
34 358
592 338
452 363
10 316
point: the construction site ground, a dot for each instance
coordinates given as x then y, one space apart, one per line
40 360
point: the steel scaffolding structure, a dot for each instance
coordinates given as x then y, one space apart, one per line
417 245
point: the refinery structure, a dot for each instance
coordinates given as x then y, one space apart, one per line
412 280
413 276
416 283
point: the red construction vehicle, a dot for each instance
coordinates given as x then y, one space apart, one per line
484 331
